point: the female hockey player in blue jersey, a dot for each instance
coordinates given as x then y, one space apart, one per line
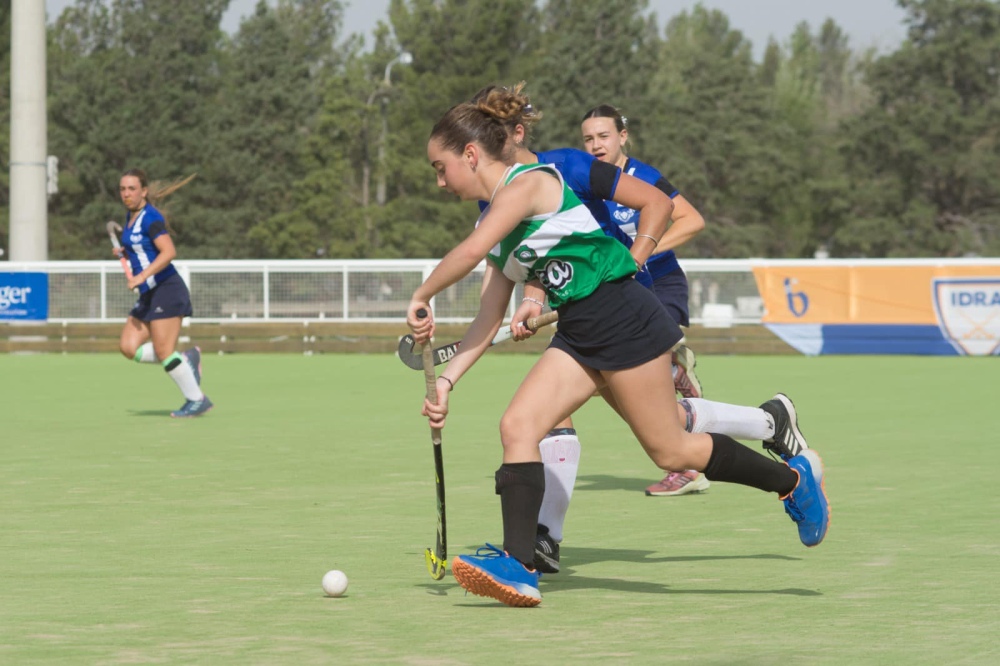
605 135
153 327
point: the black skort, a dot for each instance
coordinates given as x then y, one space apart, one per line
169 299
621 325
672 290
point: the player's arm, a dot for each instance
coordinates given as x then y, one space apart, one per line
609 182
529 195
686 221
655 209
531 306
493 301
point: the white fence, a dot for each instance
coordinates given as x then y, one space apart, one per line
336 290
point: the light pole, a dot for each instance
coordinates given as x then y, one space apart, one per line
28 230
382 92
404 58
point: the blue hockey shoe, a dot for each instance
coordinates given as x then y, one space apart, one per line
193 408
807 504
493 573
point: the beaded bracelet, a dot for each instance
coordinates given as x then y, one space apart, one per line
533 300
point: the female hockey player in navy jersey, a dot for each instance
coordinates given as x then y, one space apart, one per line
153 327
605 135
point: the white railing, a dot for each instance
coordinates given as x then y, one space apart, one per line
335 290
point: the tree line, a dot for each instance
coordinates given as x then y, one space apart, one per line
309 143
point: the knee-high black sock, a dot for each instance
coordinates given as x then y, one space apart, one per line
735 463
520 487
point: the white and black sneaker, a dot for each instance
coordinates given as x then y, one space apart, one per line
546 552
787 441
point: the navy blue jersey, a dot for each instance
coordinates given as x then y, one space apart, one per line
627 218
137 240
593 181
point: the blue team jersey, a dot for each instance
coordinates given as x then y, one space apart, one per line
591 186
627 218
593 182
137 240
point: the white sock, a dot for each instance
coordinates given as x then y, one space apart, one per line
145 354
180 371
734 420
561 455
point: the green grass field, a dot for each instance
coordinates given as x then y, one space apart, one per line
131 538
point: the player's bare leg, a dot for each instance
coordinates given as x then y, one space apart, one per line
554 388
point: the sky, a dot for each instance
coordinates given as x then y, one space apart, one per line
875 23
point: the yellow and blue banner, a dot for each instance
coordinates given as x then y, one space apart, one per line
911 307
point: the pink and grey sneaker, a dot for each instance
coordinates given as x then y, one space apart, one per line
686 381
679 483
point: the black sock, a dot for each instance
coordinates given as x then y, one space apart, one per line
520 487
735 463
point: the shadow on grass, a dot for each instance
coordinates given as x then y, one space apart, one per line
568 580
553 584
577 556
150 412
608 482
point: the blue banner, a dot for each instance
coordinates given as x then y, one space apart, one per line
24 296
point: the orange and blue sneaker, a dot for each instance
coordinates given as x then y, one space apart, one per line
807 504
493 573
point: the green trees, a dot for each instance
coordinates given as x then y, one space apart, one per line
275 70
612 48
706 128
924 159
308 142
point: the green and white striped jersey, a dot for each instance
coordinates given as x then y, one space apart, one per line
567 249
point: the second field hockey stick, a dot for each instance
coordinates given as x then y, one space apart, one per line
408 355
436 559
113 230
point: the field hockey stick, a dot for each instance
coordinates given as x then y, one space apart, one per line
113 230
444 354
436 559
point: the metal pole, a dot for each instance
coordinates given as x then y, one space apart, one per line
405 58
29 239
